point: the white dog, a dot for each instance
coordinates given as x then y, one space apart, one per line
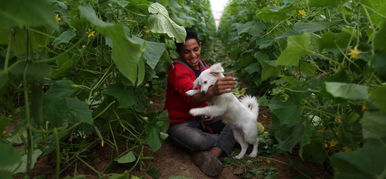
241 115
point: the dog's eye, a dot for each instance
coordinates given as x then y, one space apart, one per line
205 82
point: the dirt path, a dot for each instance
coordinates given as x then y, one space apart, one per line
173 161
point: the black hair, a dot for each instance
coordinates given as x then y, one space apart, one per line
190 34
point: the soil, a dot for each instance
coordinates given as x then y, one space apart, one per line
174 161
170 160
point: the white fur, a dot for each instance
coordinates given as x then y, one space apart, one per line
241 115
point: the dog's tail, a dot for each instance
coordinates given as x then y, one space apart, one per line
251 103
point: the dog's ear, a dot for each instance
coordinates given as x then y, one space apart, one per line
216 69
195 83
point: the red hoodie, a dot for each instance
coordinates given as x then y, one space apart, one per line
180 80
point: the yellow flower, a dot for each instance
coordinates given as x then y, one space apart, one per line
145 118
151 102
90 34
84 46
338 119
302 12
364 107
346 149
147 85
332 143
74 86
58 19
354 53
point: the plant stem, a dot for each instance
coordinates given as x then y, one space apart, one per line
88 165
28 119
58 158
104 110
66 51
27 105
112 134
8 52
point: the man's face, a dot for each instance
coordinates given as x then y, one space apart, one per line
191 53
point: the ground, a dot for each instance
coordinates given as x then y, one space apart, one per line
172 161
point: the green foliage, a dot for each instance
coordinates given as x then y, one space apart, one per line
367 162
321 66
161 23
76 74
15 13
297 47
127 158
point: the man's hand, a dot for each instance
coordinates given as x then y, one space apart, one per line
223 85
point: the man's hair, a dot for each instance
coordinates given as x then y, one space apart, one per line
190 34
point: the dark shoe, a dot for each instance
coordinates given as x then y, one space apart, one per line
208 163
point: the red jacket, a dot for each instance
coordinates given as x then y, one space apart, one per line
180 79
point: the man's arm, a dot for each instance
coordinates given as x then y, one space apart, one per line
222 85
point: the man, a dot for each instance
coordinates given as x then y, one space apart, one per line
207 137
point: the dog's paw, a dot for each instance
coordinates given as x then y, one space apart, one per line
238 157
195 112
191 92
252 155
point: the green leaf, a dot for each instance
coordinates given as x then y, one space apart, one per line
287 135
307 68
61 89
379 42
315 150
379 64
155 173
65 63
126 52
373 125
21 167
3 78
288 111
64 37
297 46
26 13
141 72
326 3
4 35
153 138
38 71
332 40
5 174
379 6
160 22
61 111
153 51
61 108
127 158
8 155
125 97
268 14
311 27
253 28
378 97
252 68
347 90
124 175
269 69
367 162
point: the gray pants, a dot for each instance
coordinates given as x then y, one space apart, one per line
192 136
